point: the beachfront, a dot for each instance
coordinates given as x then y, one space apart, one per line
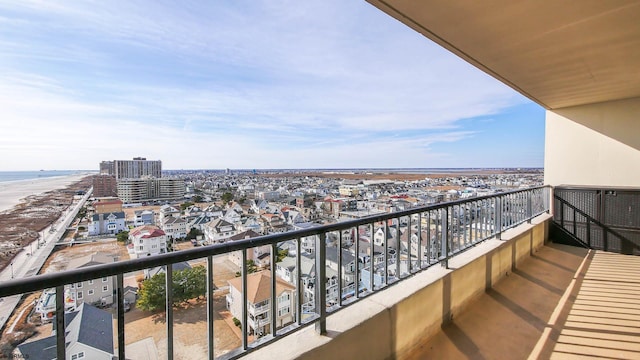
11 192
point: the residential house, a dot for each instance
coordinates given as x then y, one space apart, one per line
175 228
260 255
193 211
251 223
107 223
233 216
179 266
88 334
99 292
347 263
147 240
214 212
259 300
143 217
108 206
286 270
167 211
274 223
199 222
218 231
292 216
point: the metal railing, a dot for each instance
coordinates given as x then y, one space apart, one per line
417 238
599 218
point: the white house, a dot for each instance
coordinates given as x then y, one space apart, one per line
219 230
110 223
143 217
259 299
147 240
175 228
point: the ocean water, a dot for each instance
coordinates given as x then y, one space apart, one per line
27 175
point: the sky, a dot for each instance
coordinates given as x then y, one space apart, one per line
246 84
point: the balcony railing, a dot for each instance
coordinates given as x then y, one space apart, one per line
599 218
431 235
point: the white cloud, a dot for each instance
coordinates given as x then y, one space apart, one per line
242 84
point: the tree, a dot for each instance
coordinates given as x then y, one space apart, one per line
227 197
196 198
122 236
184 206
193 234
152 293
187 284
282 254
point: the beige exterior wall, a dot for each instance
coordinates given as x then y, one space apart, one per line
596 144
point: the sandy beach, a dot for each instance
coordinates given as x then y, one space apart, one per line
11 192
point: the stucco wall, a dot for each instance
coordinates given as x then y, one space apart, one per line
393 322
596 144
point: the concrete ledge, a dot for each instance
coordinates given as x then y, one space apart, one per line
392 322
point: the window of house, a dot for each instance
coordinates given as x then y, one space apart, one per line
79 295
104 279
90 292
91 282
105 288
79 285
284 297
140 247
283 311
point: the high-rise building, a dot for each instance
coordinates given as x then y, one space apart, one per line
137 168
104 185
137 190
106 168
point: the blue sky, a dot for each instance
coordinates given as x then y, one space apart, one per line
246 84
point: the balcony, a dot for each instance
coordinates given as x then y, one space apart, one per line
428 286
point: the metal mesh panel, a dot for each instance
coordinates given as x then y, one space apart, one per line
622 208
606 219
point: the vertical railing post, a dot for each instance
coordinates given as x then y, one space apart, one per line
300 286
321 283
498 218
372 257
245 323
120 314
385 245
428 238
61 348
210 309
274 294
339 255
419 232
529 206
357 264
408 243
169 309
444 217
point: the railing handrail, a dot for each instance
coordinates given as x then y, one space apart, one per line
39 282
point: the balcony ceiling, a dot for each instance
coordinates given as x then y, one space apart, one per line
558 53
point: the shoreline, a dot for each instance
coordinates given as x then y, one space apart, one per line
13 192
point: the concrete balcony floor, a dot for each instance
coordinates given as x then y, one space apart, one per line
562 303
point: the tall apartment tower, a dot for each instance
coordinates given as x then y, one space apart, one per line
137 168
106 168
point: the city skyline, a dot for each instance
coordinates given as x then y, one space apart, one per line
247 85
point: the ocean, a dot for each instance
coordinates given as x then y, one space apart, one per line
28 175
